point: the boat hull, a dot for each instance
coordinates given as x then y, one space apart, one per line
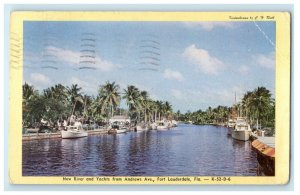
73 134
140 128
153 126
162 128
121 131
240 135
229 131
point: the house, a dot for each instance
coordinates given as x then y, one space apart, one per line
120 119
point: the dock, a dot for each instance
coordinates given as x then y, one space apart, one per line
38 136
265 149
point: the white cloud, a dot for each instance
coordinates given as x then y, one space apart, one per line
266 61
177 94
73 57
208 26
243 69
171 74
39 78
87 86
203 60
208 97
81 83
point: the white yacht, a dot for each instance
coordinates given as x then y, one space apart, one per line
162 126
74 131
174 123
141 127
153 126
118 127
241 130
230 125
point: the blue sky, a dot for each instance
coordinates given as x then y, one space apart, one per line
192 65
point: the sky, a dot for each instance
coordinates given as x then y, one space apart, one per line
193 65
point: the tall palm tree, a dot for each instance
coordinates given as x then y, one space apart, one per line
29 97
75 96
95 109
167 109
260 101
59 92
47 93
28 92
153 109
87 102
144 102
160 109
109 97
132 97
246 104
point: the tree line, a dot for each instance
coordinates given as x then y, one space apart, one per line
257 106
60 102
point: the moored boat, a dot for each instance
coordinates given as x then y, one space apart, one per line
174 123
230 126
122 130
75 131
117 127
241 130
162 126
153 126
141 127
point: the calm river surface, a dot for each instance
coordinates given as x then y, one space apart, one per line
184 150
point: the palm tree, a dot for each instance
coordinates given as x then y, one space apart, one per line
28 92
87 101
47 93
257 104
95 110
260 101
29 96
132 97
74 96
167 109
246 104
153 108
59 92
109 97
160 109
144 102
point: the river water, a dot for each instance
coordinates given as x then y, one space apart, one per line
187 150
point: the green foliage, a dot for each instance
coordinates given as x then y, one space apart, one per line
60 102
257 105
109 98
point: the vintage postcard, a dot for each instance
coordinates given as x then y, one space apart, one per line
149 98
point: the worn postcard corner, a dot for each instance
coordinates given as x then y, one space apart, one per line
149 98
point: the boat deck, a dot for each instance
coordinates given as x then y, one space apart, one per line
269 141
265 146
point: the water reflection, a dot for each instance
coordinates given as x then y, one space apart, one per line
185 150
